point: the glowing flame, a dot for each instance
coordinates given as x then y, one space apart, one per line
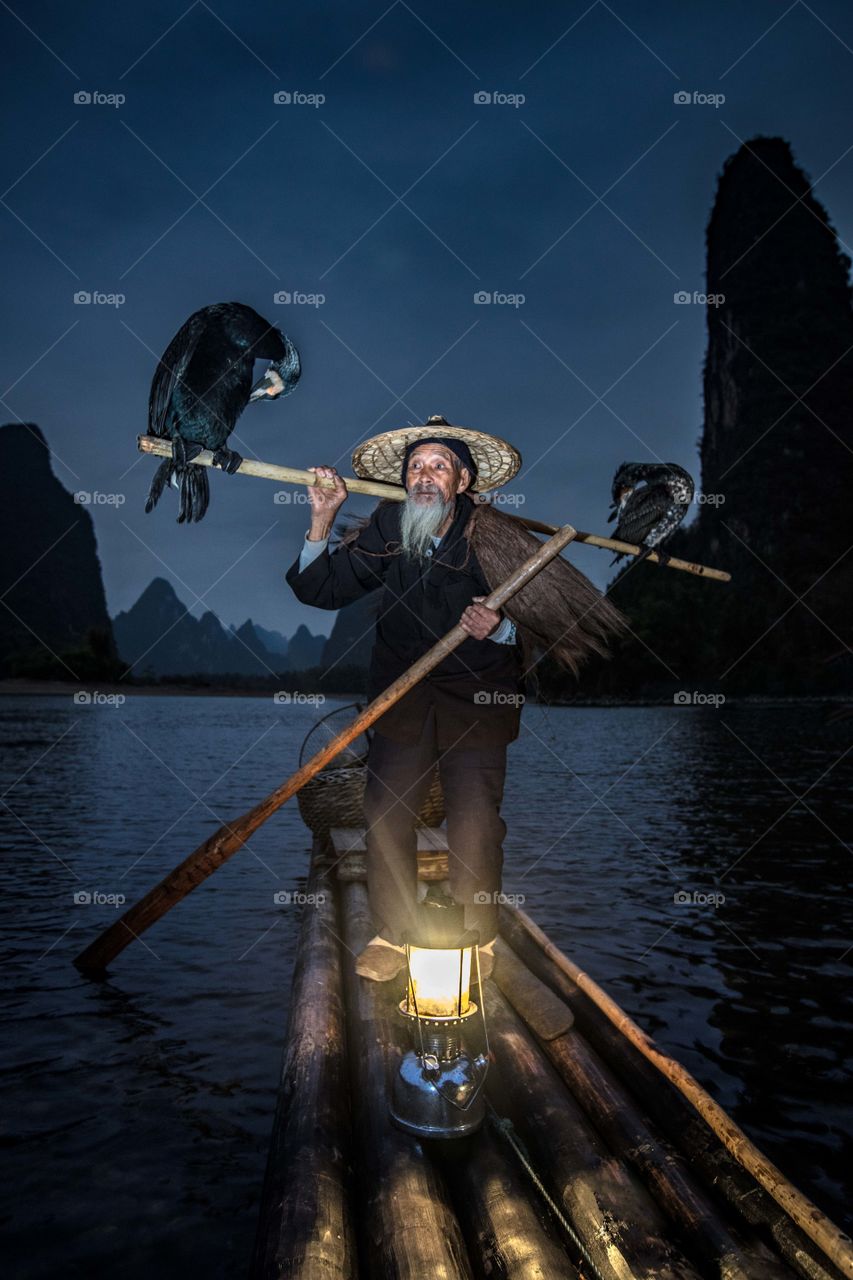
435 981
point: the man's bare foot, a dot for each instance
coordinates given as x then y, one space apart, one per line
380 960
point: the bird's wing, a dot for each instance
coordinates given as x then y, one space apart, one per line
641 513
249 331
171 369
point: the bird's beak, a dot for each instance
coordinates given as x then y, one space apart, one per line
269 387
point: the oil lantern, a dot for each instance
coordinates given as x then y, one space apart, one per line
437 1092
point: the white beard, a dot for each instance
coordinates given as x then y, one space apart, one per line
420 523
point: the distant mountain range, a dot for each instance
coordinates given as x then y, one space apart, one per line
159 636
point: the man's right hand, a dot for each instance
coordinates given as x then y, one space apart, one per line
325 502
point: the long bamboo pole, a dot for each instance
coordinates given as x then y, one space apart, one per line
613 544
396 493
230 837
817 1226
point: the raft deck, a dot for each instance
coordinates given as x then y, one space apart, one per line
590 1164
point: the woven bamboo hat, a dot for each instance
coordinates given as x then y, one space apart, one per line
381 457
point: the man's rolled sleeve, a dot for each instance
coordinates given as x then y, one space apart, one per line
504 633
310 551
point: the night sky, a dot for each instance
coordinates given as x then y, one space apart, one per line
397 199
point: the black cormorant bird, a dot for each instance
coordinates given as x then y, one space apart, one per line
202 384
650 500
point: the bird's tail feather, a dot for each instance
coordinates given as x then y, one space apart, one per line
161 478
191 483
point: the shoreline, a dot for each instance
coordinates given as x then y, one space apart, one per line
59 688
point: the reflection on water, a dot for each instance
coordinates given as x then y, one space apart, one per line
695 861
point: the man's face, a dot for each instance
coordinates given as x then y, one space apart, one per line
435 474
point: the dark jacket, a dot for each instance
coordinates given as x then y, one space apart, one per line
476 689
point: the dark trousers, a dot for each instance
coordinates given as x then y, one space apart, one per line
398 778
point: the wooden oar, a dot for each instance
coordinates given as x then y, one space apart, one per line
817 1226
376 489
232 836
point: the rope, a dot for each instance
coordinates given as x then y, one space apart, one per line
505 1128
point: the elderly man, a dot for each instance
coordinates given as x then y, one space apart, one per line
423 555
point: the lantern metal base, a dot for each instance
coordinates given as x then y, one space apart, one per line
422 1090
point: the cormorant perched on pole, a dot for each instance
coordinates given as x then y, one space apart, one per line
650 501
202 384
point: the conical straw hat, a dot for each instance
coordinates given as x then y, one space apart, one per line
381 457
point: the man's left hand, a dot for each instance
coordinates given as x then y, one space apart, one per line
479 621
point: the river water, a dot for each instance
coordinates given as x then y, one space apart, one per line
695 860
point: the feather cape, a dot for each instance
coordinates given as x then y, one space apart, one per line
558 613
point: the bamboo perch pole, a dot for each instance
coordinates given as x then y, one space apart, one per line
396 493
613 544
230 837
817 1226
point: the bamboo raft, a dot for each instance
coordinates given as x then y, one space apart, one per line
592 1163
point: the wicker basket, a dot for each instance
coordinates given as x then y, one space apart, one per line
335 796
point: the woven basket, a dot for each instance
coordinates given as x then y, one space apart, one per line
335 796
